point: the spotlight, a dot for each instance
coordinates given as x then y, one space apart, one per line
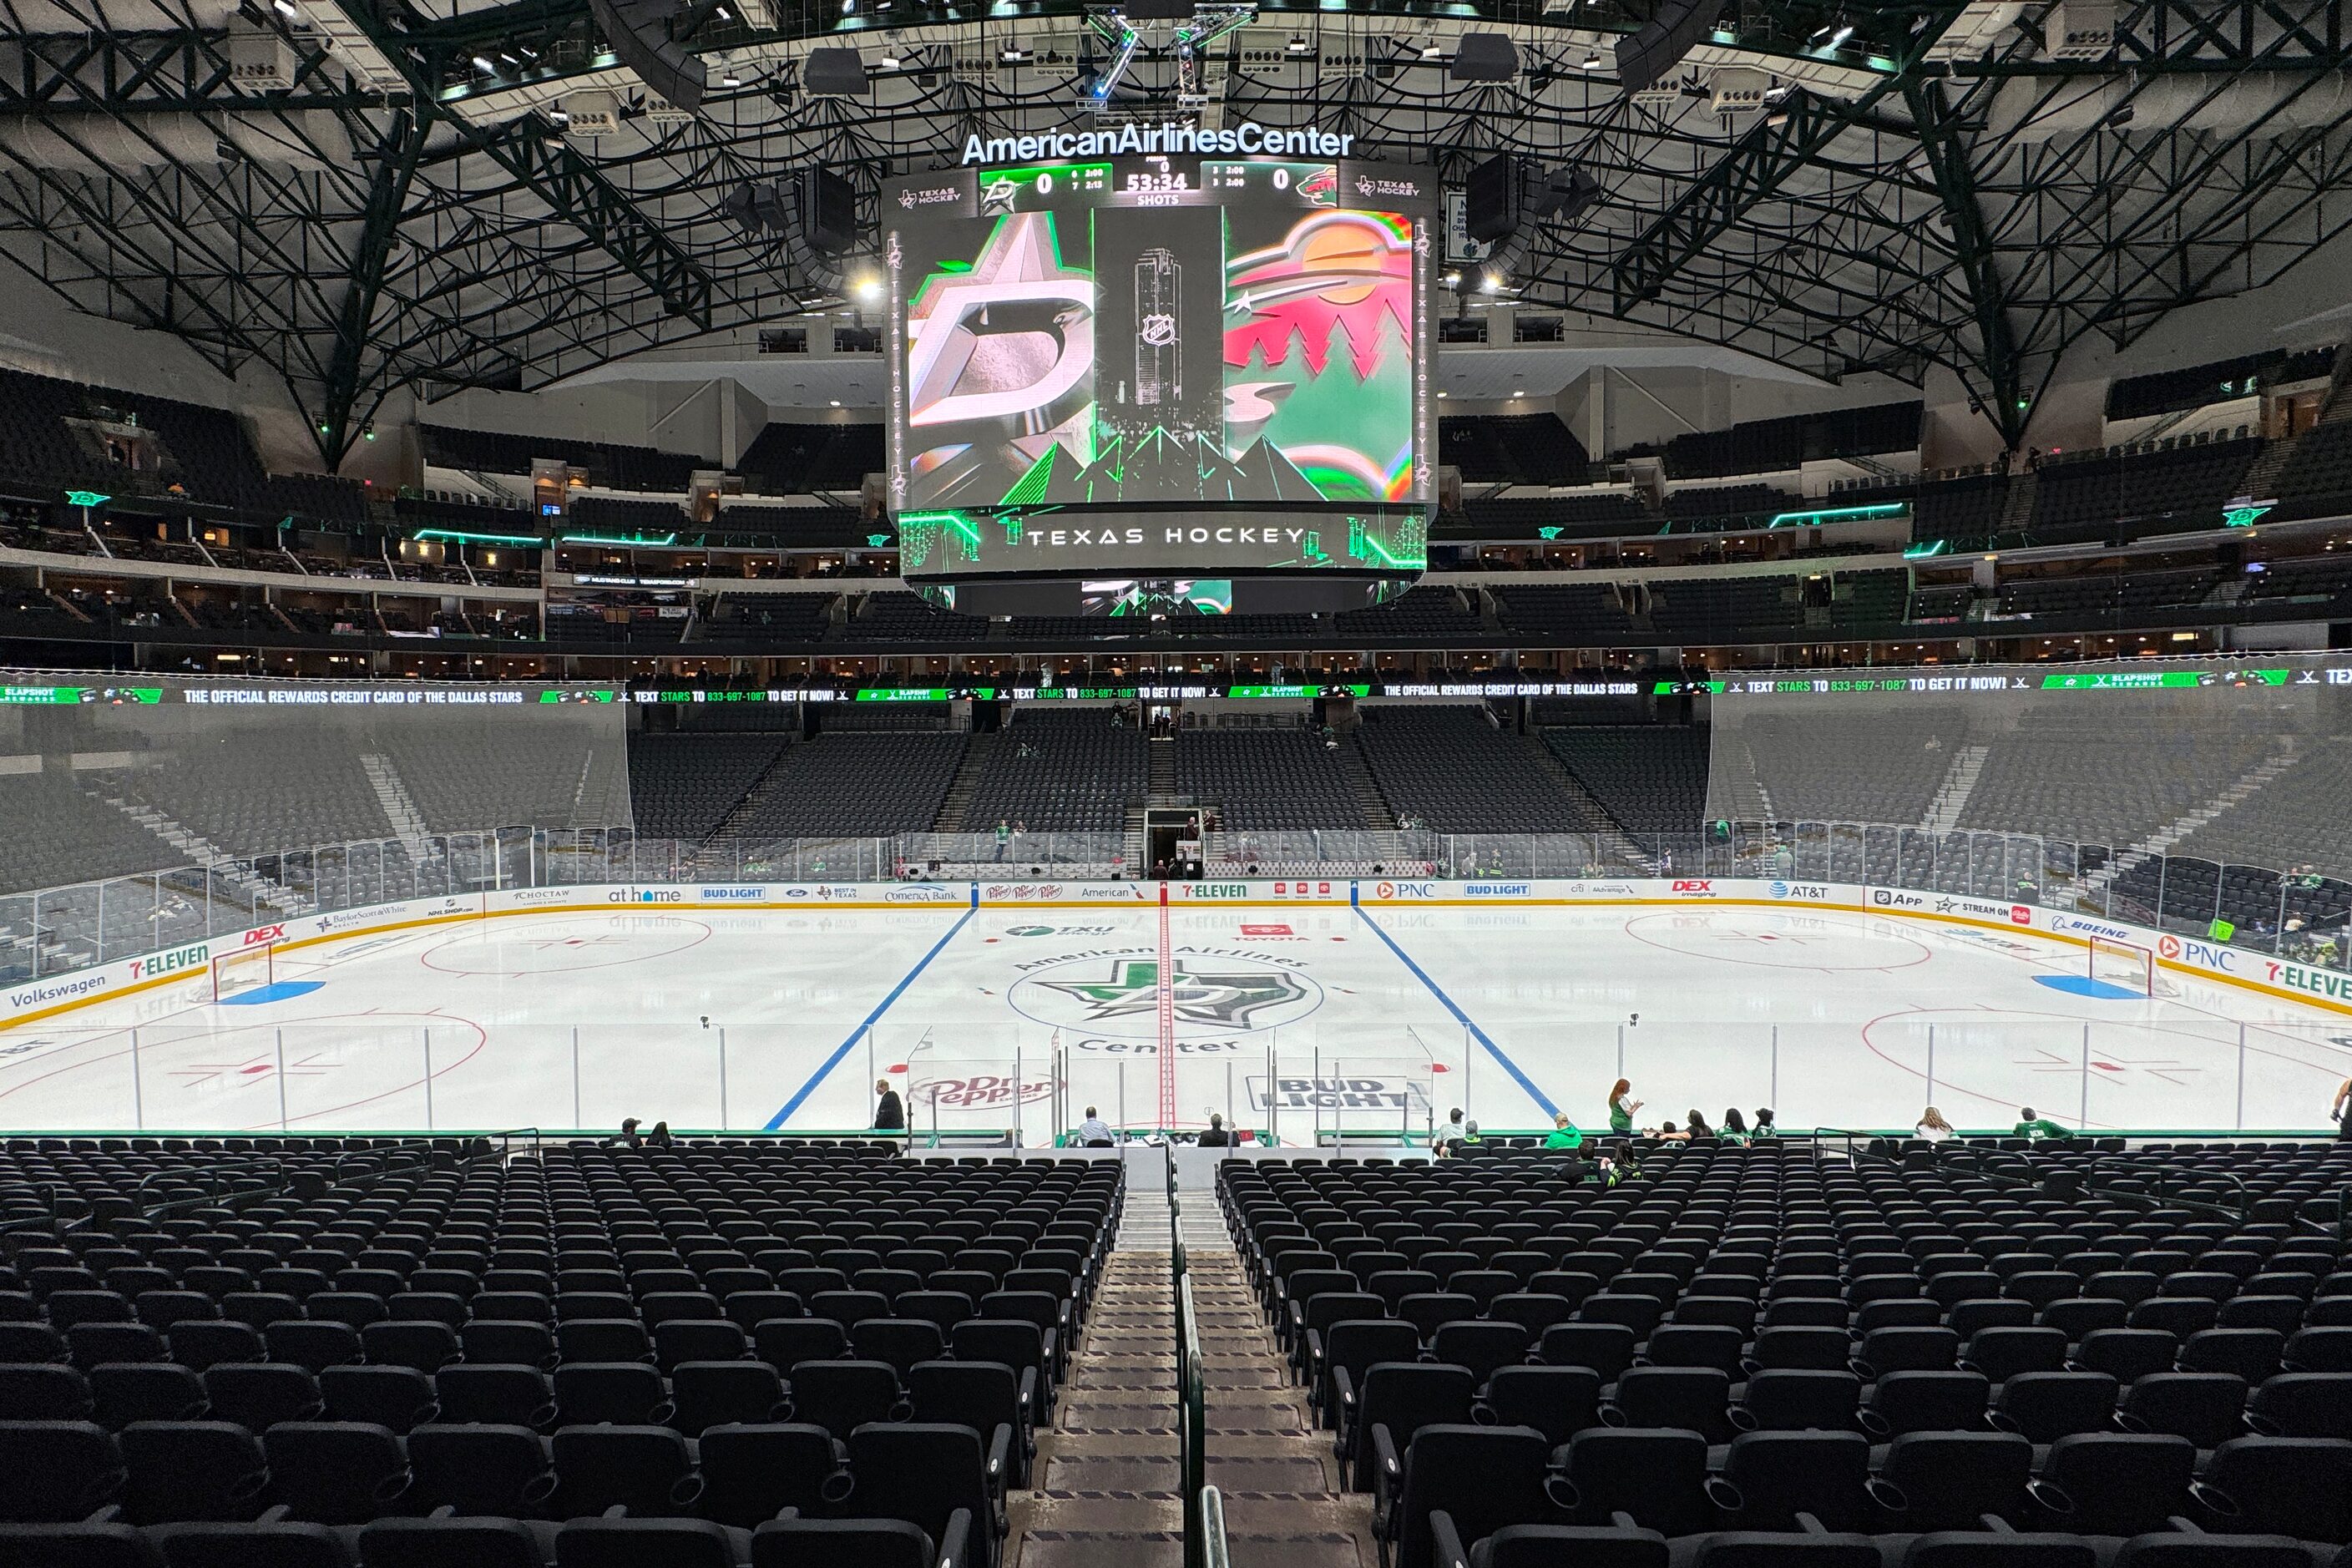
1838 38
1299 44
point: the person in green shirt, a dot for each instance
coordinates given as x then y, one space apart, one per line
1565 1134
2028 1125
1620 1109
1735 1126
1764 1127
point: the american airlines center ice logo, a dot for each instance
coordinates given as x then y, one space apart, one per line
1210 990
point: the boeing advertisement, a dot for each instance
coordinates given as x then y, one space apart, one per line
1173 363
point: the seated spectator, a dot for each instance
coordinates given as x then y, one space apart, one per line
1442 1141
2028 1125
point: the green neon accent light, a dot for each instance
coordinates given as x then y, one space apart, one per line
954 523
1553 533
459 536
2245 516
877 540
86 498
1364 546
1031 488
635 539
1926 548
1836 514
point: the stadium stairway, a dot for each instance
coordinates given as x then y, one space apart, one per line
399 806
957 802
1959 782
1593 818
202 851
2262 478
1108 1481
2017 506
727 833
1374 806
1110 1476
2161 841
1285 1506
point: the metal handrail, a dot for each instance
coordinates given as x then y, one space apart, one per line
2245 1194
2008 1167
420 1155
55 1220
507 1135
2343 1218
214 1180
1193 1421
1214 1552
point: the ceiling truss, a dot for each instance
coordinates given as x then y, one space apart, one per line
1903 207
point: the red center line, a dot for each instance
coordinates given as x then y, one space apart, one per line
1166 1019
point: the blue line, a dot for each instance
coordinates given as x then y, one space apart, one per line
1355 900
881 1007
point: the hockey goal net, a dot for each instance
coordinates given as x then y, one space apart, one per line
247 969
2126 965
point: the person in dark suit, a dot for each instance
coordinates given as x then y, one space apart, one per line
889 1111
1216 1137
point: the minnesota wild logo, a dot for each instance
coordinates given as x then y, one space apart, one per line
1210 991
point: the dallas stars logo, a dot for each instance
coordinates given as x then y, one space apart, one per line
1230 1000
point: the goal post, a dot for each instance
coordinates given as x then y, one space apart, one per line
2125 964
246 969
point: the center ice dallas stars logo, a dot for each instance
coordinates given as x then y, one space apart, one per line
1230 1000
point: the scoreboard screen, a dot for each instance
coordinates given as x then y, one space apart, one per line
1180 364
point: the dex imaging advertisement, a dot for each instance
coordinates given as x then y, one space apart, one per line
1168 361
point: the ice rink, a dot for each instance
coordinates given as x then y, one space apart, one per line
1290 1015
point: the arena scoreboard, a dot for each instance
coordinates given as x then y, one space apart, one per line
1179 367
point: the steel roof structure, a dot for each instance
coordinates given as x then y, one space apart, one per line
370 194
